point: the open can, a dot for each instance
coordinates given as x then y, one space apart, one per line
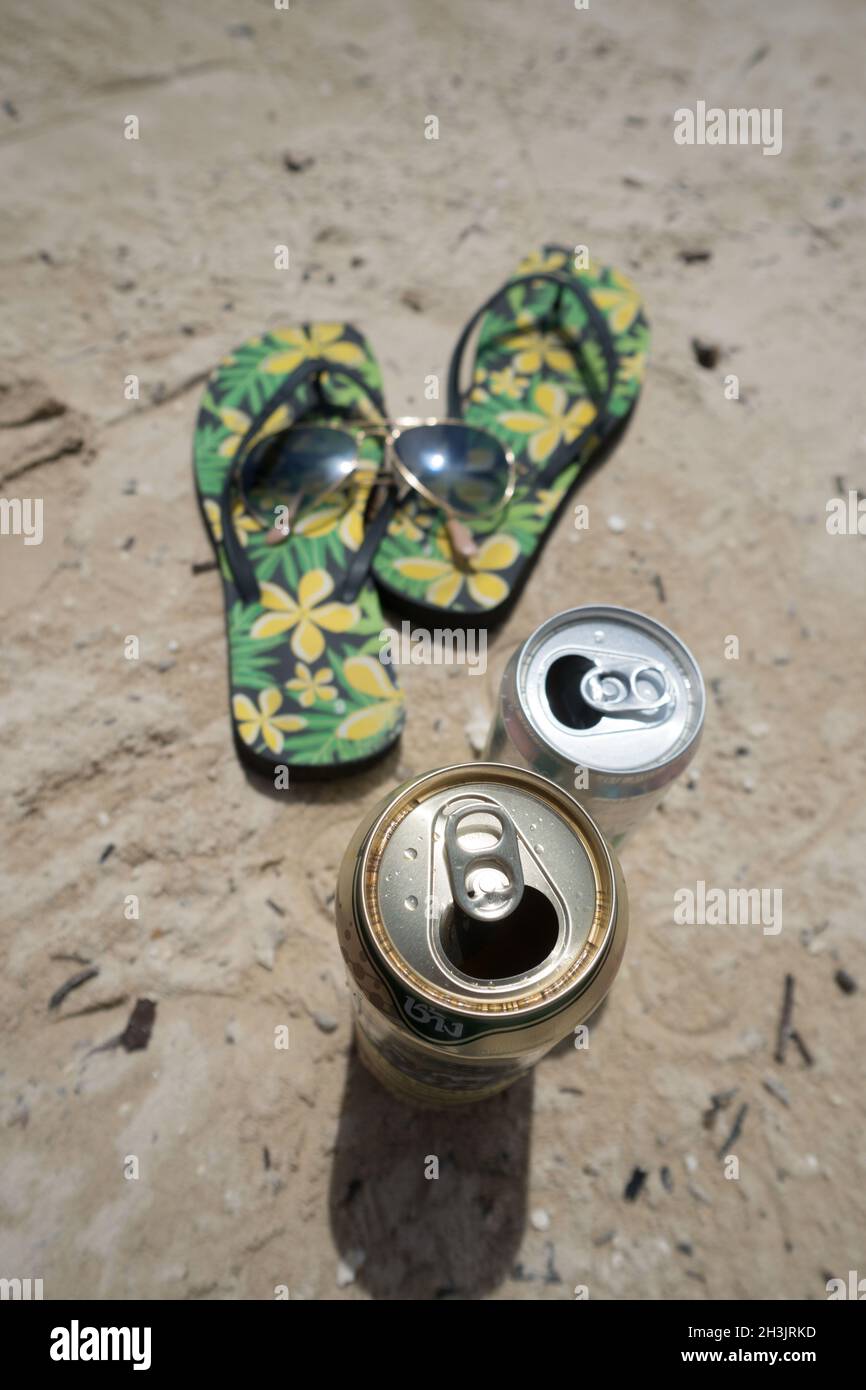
482 917
606 702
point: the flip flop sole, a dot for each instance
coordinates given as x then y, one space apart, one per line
530 389
308 691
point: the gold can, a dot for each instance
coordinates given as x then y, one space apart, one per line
482 917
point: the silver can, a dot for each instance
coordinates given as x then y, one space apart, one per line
607 703
482 917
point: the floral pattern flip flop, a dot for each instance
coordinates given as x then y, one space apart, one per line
308 690
558 368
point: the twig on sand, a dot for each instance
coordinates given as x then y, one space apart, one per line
801 1047
736 1131
72 983
784 1032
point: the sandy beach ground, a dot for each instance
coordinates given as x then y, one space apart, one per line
153 257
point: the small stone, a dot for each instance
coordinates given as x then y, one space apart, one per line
325 1023
776 1089
635 1184
605 1238
231 1031
808 934
706 354
348 1267
476 731
104 819
616 524
412 300
540 1219
748 784
267 940
174 646
297 164
691 1163
846 982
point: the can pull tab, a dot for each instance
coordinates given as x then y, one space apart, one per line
628 686
486 877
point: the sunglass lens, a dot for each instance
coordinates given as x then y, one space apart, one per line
465 468
311 461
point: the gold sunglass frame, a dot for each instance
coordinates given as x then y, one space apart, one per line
391 429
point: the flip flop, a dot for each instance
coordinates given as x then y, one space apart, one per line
560 358
308 690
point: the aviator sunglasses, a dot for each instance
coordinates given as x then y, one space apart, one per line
462 470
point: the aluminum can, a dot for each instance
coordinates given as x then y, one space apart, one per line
607 703
482 917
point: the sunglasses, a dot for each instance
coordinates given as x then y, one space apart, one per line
465 472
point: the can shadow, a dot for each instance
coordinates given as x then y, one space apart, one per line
424 1237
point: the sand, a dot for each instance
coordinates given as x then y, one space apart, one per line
259 1168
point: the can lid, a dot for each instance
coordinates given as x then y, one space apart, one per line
611 689
488 892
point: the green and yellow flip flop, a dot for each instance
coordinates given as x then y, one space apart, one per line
308 690
559 363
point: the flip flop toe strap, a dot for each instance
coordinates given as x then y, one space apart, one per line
359 565
595 320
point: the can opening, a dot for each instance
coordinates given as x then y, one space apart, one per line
502 949
562 688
